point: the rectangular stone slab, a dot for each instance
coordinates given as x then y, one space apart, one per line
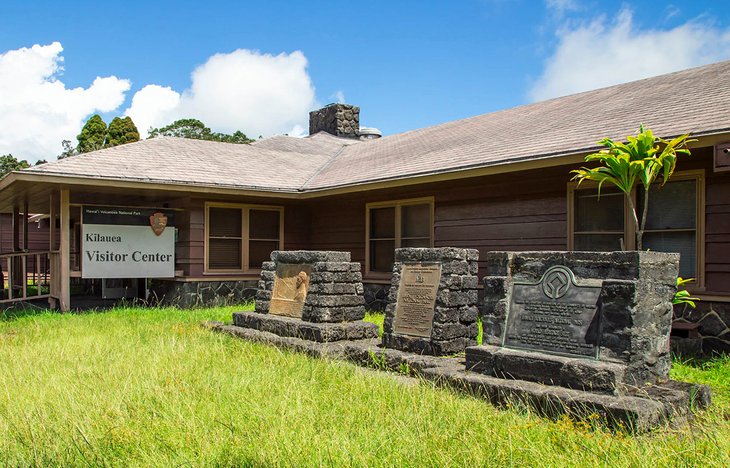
291 283
416 303
554 315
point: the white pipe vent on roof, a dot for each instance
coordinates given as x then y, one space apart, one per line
370 133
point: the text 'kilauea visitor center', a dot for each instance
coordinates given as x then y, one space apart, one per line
190 222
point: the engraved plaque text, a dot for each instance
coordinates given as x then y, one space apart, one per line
555 315
417 290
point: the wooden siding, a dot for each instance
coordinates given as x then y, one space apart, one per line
525 211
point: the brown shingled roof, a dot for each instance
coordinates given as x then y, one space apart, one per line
695 100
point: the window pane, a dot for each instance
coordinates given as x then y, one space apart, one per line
263 224
382 255
599 214
382 223
224 254
672 206
224 222
680 242
598 242
416 243
260 252
416 221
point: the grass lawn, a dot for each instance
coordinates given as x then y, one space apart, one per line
151 387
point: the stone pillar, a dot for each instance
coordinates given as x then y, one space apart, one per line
334 290
441 323
342 120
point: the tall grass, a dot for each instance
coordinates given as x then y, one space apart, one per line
151 387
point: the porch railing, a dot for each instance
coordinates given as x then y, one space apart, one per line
29 275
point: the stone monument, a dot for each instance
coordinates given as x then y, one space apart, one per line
312 295
432 303
597 321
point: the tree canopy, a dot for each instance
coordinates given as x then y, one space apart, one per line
121 131
196 130
93 135
9 163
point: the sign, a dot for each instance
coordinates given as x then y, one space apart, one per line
554 315
419 283
291 283
127 243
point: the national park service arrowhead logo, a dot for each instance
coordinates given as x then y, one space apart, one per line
158 222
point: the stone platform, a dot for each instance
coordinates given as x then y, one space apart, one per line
297 328
637 411
581 374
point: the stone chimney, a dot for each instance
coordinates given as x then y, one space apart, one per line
342 120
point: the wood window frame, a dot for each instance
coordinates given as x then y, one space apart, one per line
698 176
397 205
245 238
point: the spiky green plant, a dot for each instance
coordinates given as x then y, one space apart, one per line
643 159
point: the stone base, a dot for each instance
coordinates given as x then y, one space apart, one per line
686 347
582 374
297 328
190 294
655 406
418 345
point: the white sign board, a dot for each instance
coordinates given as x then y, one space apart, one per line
120 243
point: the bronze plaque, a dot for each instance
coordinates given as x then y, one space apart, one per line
419 283
291 284
554 315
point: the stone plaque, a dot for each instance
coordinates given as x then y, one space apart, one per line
291 282
554 315
419 283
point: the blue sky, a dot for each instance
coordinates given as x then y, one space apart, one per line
407 64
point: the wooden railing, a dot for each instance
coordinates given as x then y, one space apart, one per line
29 275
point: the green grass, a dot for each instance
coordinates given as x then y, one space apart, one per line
151 387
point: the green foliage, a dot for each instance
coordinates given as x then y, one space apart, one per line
643 159
93 135
9 163
196 130
68 150
151 387
121 131
682 296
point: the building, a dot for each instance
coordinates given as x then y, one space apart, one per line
499 181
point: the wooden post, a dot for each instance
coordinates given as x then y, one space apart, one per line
52 226
65 252
52 246
16 228
25 225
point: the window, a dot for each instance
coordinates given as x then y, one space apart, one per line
391 225
241 237
673 223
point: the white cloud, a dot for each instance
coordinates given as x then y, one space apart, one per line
603 53
37 111
338 96
259 94
560 7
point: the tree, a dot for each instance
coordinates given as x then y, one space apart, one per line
121 131
643 159
68 150
9 163
93 135
196 130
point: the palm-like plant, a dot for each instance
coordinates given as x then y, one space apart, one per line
642 159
